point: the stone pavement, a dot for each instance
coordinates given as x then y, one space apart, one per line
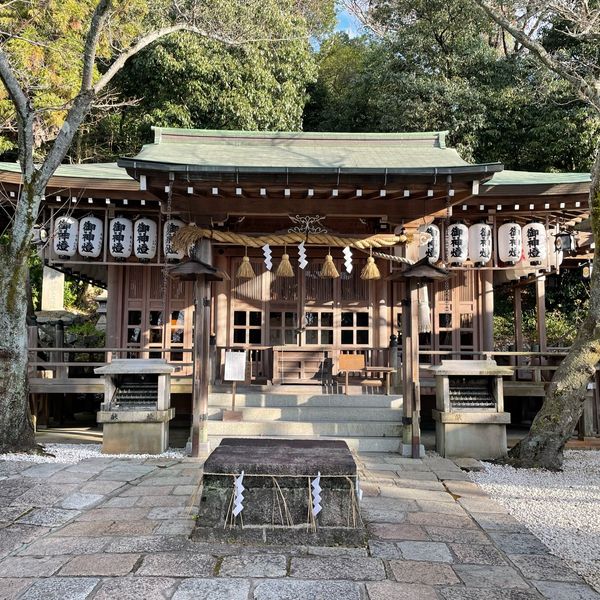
119 529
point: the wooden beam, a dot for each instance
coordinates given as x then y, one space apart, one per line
396 211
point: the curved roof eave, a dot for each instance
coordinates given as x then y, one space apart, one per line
135 165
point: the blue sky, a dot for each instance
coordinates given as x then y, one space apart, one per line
347 23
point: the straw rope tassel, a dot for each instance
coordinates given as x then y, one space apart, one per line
285 266
370 270
329 269
245 270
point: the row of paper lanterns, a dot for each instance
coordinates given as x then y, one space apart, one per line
125 237
530 244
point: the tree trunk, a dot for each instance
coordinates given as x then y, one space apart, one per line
16 428
554 424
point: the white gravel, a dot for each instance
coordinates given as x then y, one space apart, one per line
561 509
74 453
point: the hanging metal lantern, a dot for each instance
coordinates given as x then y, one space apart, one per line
553 250
564 241
509 243
431 249
65 236
170 228
145 235
120 238
535 244
90 237
457 243
480 244
587 271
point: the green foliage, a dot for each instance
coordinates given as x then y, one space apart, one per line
567 298
561 328
252 74
188 81
79 296
85 328
444 67
45 45
86 336
504 332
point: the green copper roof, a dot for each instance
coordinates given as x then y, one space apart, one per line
205 150
88 171
535 178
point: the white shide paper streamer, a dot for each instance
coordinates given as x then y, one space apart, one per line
238 499
316 494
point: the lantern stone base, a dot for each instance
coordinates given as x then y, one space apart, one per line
277 498
135 432
479 435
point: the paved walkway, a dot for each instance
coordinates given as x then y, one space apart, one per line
118 529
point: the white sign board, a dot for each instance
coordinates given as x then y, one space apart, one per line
235 366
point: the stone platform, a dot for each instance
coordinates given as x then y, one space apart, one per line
110 528
277 501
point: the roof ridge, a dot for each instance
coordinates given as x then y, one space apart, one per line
434 136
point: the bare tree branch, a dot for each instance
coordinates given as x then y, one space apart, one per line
12 86
75 117
362 10
587 91
91 43
158 34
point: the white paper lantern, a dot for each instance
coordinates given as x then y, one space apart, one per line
431 250
480 244
535 244
65 236
120 238
509 243
457 243
145 235
170 228
90 236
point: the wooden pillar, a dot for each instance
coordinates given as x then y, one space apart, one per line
201 378
407 387
220 324
518 320
415 376
410 370
114 309
540 299
487 309
382 312
518 327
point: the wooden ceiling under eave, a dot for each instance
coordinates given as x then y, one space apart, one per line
393 205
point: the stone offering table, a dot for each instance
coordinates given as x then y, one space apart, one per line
277 500
470 420
135 413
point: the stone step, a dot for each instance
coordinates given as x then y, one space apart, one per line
280 400
302 428
359 444
310 413
334 389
